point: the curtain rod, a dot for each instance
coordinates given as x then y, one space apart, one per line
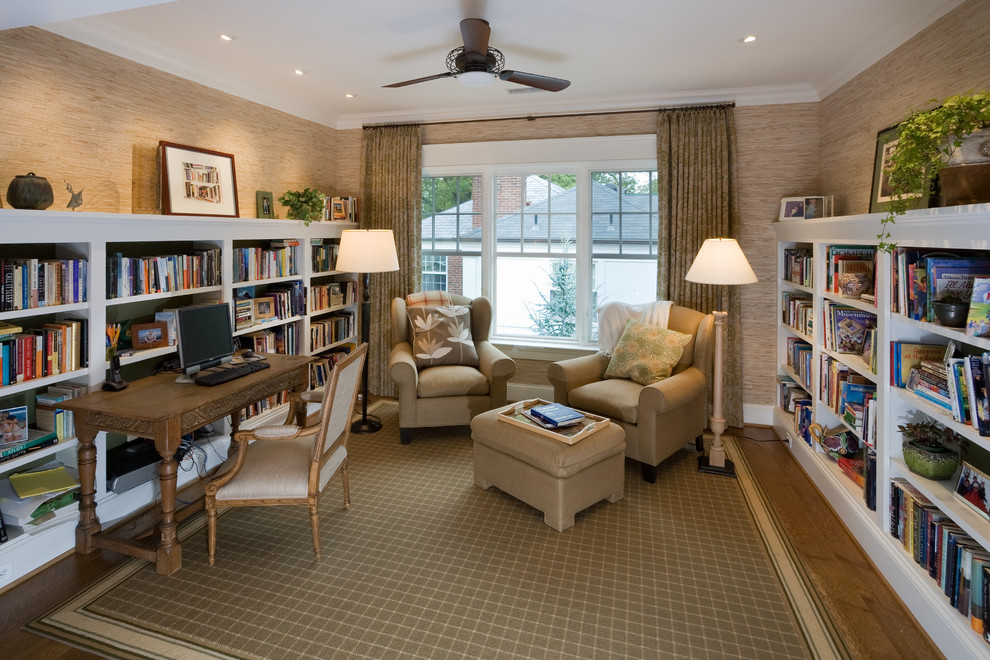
709 106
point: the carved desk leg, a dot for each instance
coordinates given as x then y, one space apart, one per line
89 524
169 555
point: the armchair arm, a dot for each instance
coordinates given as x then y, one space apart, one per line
672 393
241 438
402 366
498 368
568 374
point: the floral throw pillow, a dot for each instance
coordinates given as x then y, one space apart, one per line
442 335
646 353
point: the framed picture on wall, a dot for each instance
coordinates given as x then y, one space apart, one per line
197 181
880 195
266 204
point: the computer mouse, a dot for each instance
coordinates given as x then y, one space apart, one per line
249 355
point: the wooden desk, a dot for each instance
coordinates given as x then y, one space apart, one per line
161 409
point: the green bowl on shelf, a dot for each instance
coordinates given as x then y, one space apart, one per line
937 463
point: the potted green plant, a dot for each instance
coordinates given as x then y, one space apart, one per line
925 140
928 449
306 205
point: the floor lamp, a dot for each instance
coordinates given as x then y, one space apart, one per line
719 261
366 251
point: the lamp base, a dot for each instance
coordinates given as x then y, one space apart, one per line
369 424
704 466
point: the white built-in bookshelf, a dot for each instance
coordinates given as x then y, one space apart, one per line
805 356
203 254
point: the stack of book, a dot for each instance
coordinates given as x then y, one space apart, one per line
554 415
243 313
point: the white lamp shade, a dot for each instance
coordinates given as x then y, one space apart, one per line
720 261
367 251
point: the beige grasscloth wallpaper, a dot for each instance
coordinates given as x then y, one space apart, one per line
76 113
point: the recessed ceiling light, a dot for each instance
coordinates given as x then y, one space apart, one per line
748 39
349 96
227 37
300 72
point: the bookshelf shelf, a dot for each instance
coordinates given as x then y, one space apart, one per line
951 229
107 241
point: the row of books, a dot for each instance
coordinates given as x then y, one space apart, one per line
788 392
49 416
797 311
799 266
952 558
53 348
332 294
341 209
260 263
924 275
319 371
330 330
839 259
850 396
32 283
281 339
850 330
259 407
956 386
799 356
132 276
324 255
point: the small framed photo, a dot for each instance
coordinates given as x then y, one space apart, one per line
266 204
197 181
167 317
972 488
149 335
814 207
264 308
791 208
880 195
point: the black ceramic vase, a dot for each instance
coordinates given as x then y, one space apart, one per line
28 191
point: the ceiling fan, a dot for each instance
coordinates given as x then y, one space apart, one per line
475 64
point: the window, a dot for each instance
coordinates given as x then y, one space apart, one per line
547 241
451 242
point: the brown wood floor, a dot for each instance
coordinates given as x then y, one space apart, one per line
871 619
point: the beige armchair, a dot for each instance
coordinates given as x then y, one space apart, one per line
292 463
451 394
659 418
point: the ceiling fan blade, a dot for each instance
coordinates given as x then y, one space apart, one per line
475 32
448 74
535 80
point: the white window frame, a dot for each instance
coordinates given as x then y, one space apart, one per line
580 156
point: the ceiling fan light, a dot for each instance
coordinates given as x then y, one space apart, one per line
475 78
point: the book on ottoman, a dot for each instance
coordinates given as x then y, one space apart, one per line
556 414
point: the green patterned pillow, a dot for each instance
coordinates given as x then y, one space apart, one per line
441 334
646 353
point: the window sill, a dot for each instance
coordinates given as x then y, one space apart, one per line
523 350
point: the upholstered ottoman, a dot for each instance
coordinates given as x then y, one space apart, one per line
557 478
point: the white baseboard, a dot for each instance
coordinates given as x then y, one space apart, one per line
758 414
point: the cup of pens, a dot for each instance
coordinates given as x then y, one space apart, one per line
113 336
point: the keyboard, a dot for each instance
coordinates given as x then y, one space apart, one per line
225 374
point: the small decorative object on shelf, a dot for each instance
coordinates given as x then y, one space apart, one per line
951 311
75 198
28 191
306 205
853 285
266 205
926 449
837 441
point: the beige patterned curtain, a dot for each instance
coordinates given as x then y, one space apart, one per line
696 168
390 199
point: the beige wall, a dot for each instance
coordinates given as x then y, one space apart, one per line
73 112
76 113
952 56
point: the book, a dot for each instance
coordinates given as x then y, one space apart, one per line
851 326
36 439
9 328
908 355
978 319
13 426
952 275
556 414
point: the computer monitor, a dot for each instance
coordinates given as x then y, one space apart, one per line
205 336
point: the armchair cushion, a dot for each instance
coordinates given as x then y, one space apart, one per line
646 353
442 335
451 380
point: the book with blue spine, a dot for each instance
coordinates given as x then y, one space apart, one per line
556 414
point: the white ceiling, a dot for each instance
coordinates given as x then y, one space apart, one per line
619 54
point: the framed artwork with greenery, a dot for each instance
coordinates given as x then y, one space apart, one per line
880 196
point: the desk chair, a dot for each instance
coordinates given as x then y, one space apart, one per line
292 463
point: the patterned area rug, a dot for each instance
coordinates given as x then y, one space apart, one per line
427 565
